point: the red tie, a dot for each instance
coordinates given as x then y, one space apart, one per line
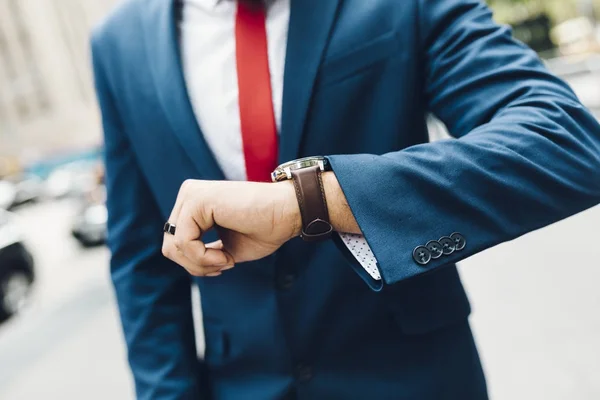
259 132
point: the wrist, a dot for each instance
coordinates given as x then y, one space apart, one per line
331 189
336 206
340 214
291 216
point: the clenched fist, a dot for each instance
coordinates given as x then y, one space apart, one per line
253 220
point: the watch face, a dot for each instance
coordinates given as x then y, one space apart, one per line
303 163
283 171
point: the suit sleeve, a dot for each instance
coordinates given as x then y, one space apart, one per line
527 154
153 294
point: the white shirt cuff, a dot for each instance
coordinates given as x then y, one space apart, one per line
360 249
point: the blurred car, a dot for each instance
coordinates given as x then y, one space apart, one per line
16 267
8 193
29 188
89 227
72 180
18 190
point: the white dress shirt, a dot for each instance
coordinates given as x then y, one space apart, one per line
209 65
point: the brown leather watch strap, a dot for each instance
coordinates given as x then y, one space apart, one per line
312 202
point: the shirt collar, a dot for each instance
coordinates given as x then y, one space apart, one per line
211 4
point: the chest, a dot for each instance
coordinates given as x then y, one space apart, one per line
346 91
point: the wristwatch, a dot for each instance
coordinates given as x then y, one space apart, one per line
306 175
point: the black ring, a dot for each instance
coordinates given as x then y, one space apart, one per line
169 228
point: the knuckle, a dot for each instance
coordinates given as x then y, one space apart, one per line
179 243
186 184
195 260
198 272
166 250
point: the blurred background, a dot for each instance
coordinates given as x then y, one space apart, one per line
535 300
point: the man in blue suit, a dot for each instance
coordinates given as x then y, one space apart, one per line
215 92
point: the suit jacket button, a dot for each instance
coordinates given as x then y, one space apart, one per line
435 248
303 373
422 255
286 281
459 241
447 245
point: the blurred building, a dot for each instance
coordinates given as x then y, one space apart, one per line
46 92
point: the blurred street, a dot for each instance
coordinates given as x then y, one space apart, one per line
586 83
70 329
535 303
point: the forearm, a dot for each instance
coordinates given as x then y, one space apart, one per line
528 168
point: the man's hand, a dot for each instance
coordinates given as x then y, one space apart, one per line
253 220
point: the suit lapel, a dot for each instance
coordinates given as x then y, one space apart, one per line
310 27
162 49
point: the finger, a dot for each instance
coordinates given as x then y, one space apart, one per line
187 239
193 269
171 252
188 231
218 244
178 203
204 256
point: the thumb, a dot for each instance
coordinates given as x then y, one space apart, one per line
218 245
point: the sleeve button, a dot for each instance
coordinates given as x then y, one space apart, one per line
422 255
435 248
448 245
459 241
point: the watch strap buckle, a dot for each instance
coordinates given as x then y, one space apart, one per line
316 230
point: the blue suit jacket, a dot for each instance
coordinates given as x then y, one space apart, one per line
360 78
